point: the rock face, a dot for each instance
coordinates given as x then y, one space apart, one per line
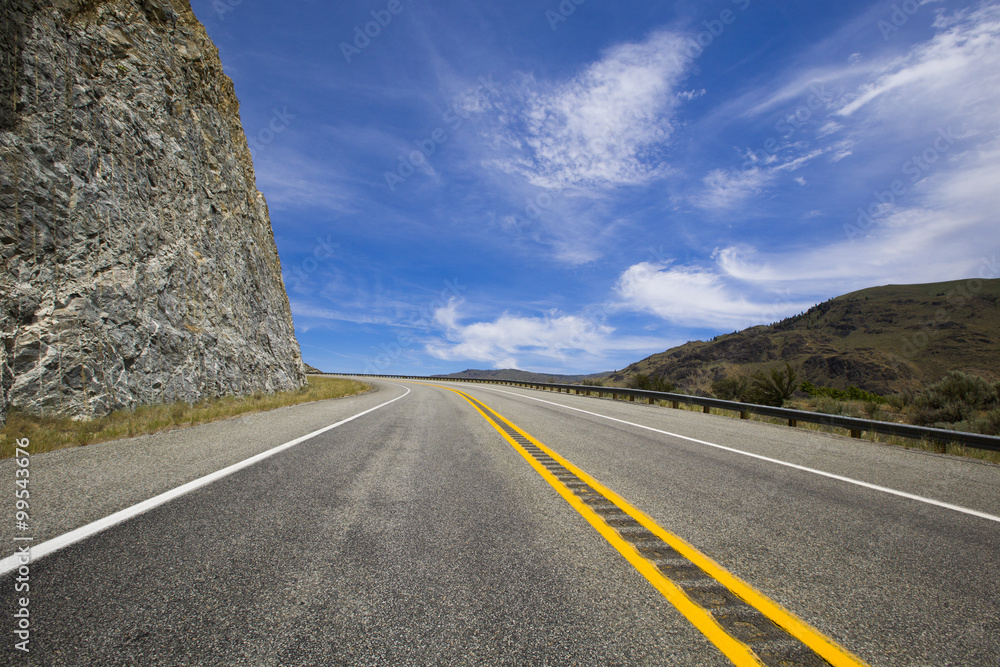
138 261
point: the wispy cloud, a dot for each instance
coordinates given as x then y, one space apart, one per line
292 179
603 127
332 315
947 233
942 235
728 188
962 60
725 188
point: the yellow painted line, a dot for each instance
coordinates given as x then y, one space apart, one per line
738 652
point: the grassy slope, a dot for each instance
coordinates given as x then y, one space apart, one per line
50 433
884 339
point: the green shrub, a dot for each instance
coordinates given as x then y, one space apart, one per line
992 426
899 401
592 383
774 387
956 398
650 383
852 393
732 388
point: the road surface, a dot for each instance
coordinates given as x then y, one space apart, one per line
508 527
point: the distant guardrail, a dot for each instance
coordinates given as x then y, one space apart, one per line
855 425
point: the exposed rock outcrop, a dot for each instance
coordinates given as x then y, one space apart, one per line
138 261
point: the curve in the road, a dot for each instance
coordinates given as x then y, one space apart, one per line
749 628
840 478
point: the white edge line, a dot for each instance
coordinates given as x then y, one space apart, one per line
841 478
11 563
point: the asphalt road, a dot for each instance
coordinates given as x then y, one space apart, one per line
418 535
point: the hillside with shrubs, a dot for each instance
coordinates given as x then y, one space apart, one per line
885 340
921 354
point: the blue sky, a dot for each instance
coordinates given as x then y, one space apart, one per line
572 186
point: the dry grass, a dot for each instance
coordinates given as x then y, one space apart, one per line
51 433
907 443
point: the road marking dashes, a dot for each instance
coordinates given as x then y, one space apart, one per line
747 627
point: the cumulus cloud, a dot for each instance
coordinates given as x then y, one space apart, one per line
603 127
514 341
699 297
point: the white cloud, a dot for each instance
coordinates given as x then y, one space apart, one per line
947 231
961 63
605 126
513 341
689 95
943 235
726 188
328 314
290 179
699 297
877 108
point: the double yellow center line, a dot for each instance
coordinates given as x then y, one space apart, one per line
748 627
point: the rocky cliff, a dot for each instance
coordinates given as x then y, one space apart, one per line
138 261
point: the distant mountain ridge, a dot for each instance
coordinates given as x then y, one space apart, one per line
883 339
522 376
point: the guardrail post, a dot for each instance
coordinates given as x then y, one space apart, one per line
793 422
652 400
675 404
707 410
855 433
744 414
631 398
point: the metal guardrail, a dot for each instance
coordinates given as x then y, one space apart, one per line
855 425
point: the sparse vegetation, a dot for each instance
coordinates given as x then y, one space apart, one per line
852 393
959 401
51 433
878 339
732 388
650 383
831 406
773 387
592 383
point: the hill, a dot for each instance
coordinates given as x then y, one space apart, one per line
883 339
522 376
